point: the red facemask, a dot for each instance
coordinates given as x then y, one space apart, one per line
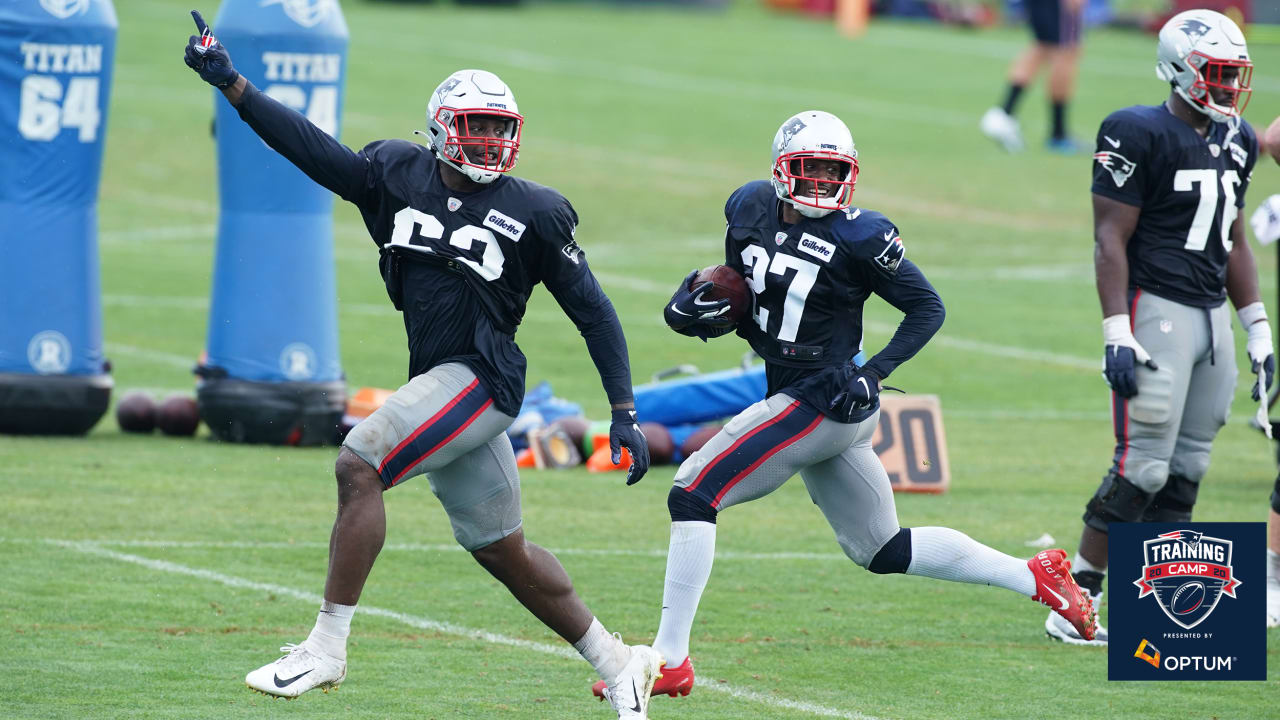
1210 79
478 145
790 168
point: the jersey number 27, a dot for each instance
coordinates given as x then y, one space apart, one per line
806 273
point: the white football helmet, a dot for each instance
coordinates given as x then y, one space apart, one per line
466 93
1194 48
813 134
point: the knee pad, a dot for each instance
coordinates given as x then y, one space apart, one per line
894 556
685 506
1174 501
1275 496
1117 500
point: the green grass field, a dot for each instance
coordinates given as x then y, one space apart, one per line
143 576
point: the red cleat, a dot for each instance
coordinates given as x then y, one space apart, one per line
673 681
1056 588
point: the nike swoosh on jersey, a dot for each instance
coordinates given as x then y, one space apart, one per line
1114 143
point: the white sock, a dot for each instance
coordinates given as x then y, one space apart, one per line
693 547
947 554
1079 564
1273 566
333 625
606 653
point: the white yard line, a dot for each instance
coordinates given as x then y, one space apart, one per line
153 356
422 623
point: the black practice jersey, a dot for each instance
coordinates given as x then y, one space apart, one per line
460 266
809 282
1190 189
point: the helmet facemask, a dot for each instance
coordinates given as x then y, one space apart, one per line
1214 78
481 157
813 196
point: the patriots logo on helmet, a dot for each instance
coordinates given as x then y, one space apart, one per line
790 129
1120 166
443 91
1194 29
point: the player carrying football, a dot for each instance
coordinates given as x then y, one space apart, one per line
462 245
812 260
1168 183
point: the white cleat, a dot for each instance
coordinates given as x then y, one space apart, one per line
1003 128
629 692
300 670
1057 627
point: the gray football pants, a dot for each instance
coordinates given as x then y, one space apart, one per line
766 444
443 423
1169 426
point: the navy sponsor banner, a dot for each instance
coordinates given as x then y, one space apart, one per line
1187 601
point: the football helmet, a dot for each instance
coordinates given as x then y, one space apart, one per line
813 134
1194 49
462 95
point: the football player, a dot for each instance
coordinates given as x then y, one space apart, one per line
1168 184
462 245
812 260
1055 24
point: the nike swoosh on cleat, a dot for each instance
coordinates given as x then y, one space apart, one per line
285 683
676 310
1065 604
636 692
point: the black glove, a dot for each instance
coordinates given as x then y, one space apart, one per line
860 394
688 314
1119 369
1270 366
624 432
208 57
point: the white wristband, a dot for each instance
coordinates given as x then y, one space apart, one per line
1252 313
1115 330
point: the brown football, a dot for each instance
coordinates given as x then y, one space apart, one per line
694 442
726 283
178 415
136 412
661 446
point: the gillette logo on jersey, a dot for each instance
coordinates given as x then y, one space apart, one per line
1182 573
505 225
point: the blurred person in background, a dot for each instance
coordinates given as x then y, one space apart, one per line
1170 250
462 246
1056 25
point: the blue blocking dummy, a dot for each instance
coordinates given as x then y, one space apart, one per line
55 80
272 373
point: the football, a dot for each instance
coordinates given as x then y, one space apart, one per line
726 283
136 413
694 442
661 446
1187 597
178 415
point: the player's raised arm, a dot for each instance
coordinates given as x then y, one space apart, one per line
312 150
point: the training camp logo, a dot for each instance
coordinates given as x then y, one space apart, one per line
63 9
1188 572
307 13
1120 166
